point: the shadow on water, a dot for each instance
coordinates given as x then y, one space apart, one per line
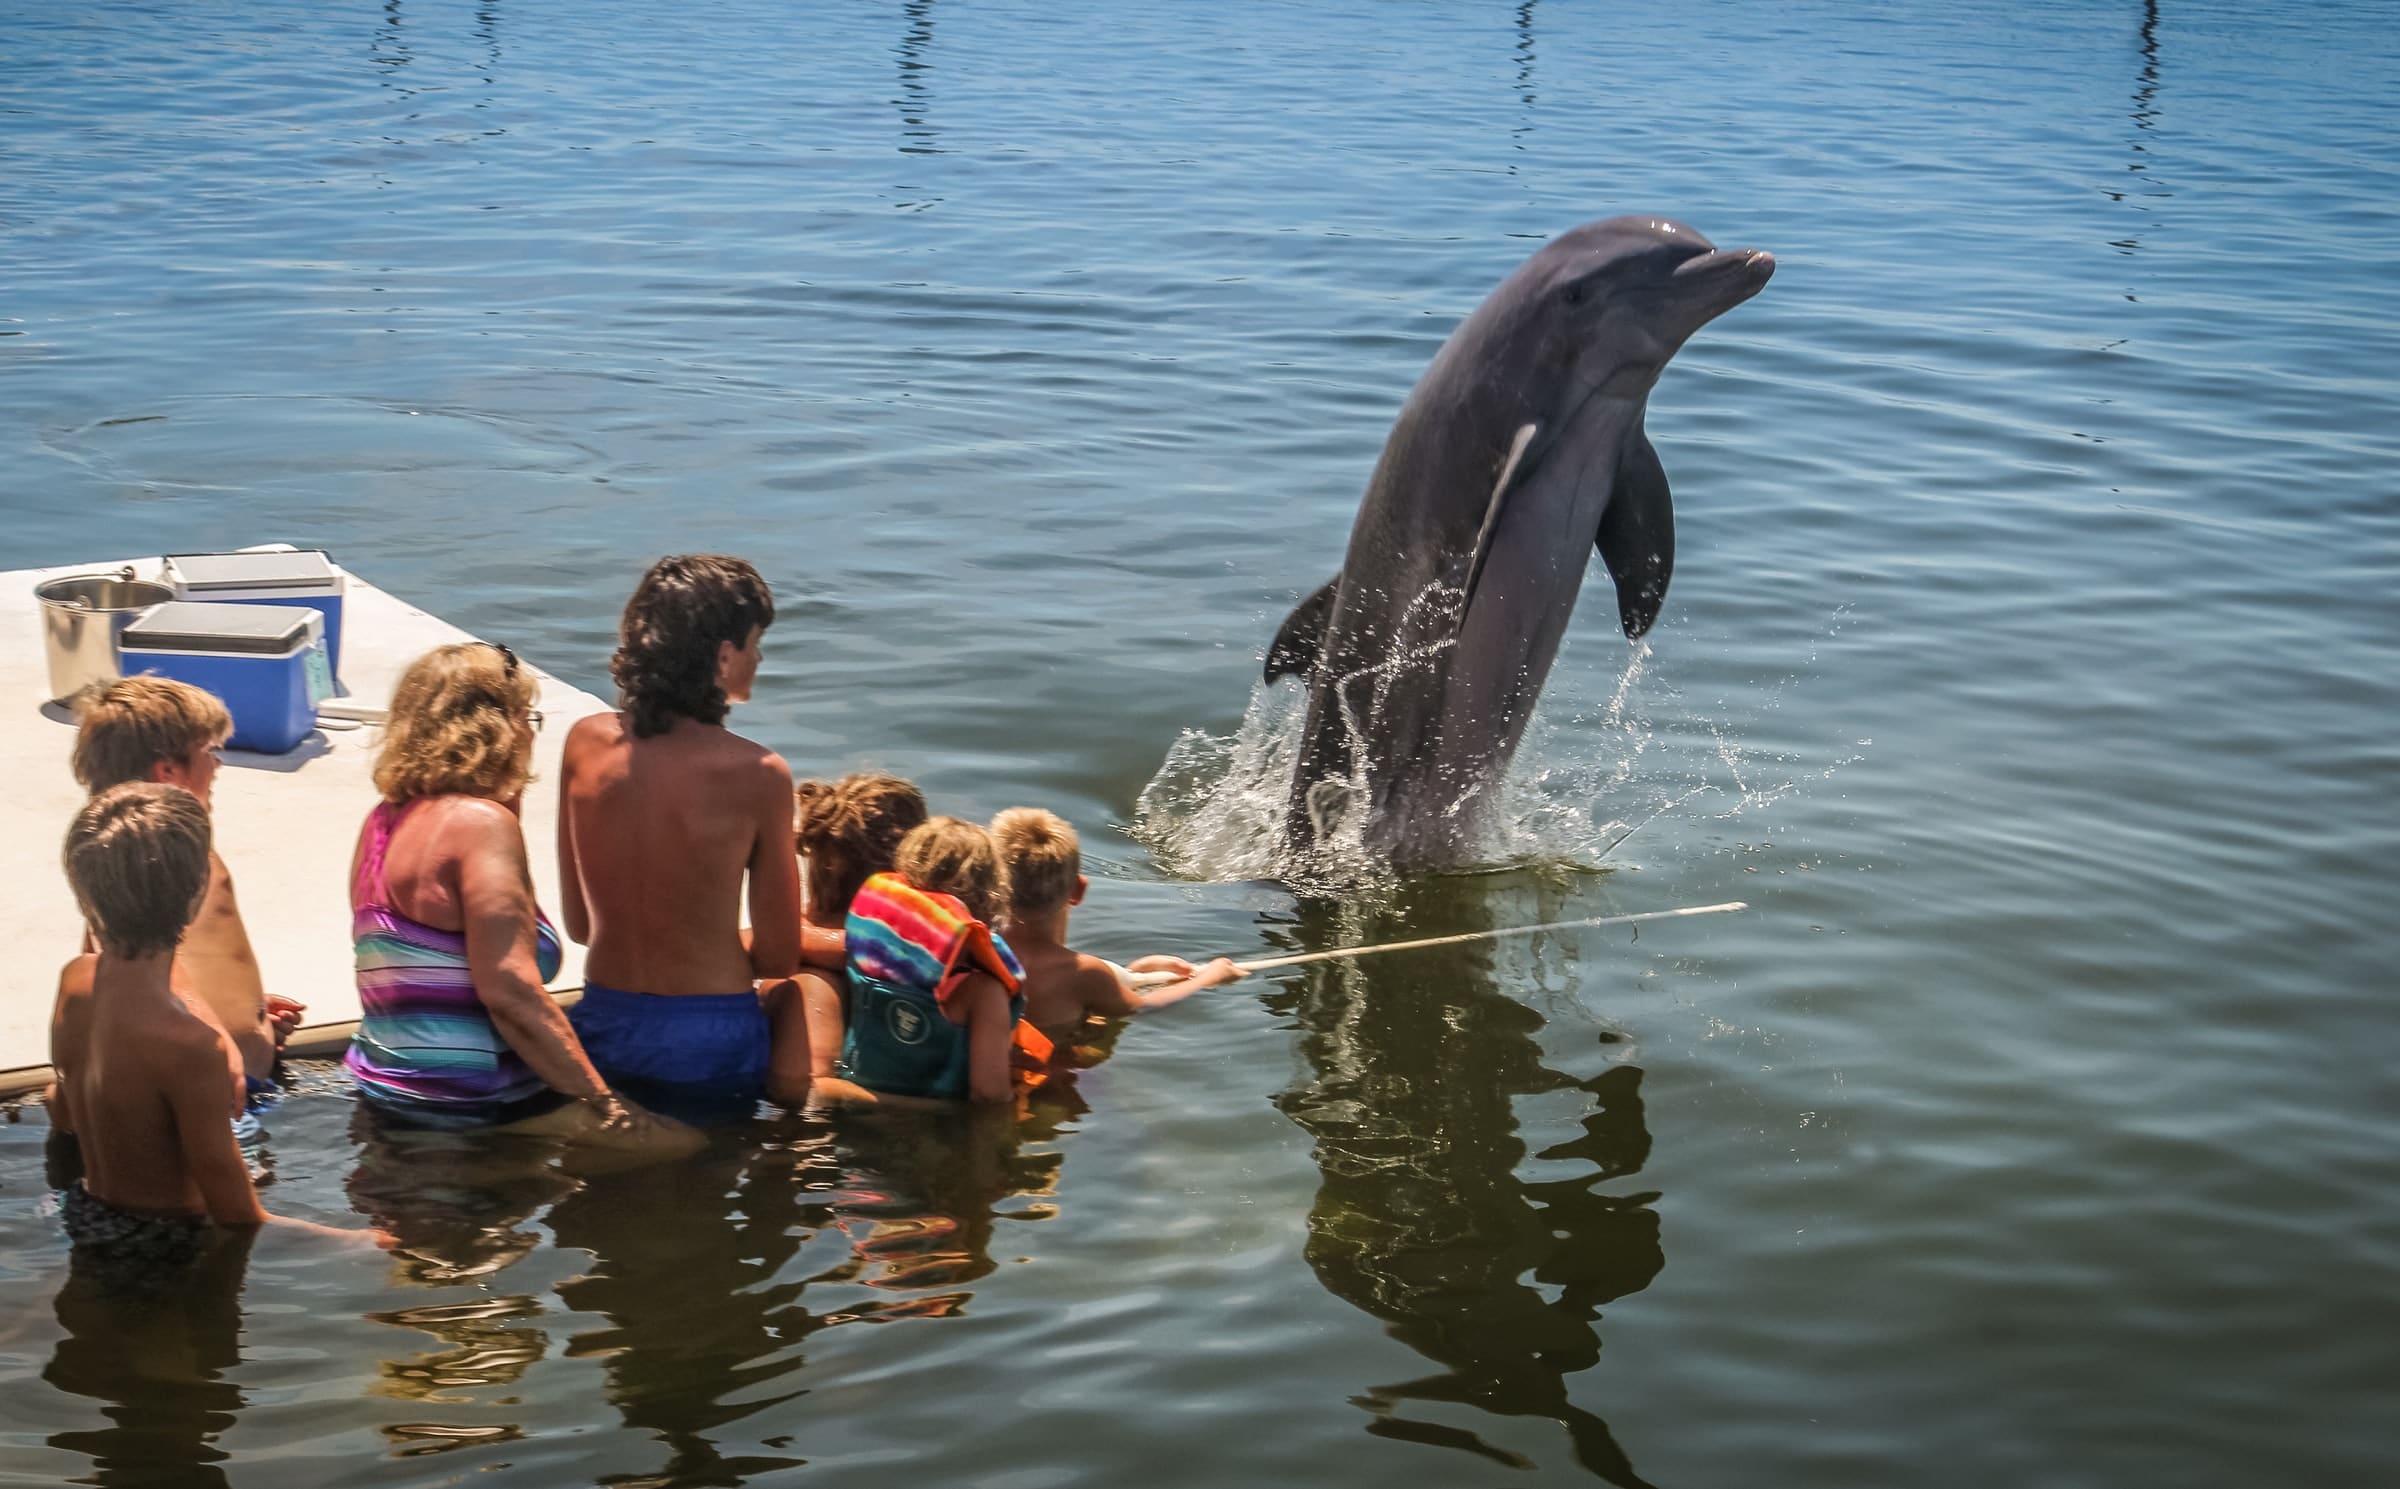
1415 1065
158 1366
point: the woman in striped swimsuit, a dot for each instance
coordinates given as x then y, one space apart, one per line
457 1028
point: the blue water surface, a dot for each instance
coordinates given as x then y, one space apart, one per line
2029 667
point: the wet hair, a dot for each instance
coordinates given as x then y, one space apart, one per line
456 726
130 726
666 661
851 830
137 858
948 856
1040 853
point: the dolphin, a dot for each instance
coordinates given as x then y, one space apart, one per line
1520 450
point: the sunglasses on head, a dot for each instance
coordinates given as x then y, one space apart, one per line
508 668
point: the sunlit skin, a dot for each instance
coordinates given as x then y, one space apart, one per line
150 1085
1063 986
656 838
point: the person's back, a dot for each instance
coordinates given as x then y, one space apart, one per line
664 831
663 813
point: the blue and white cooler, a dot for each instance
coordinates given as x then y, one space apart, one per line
266 662
302 576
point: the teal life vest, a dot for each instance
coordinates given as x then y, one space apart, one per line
900 1043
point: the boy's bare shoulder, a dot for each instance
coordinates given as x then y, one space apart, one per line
75 978
1097 987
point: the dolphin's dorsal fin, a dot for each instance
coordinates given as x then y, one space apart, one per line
1295 647
1637 535
1491 510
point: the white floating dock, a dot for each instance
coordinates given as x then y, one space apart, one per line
285 824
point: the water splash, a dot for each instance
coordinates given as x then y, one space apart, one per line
1584 781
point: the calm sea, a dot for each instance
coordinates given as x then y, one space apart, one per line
2030 667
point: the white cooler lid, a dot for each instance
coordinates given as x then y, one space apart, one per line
305 569
196 625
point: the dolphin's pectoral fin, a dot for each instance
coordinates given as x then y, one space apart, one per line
1491 511
1295 647
1637 536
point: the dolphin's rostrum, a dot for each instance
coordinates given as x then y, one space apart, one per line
1520 451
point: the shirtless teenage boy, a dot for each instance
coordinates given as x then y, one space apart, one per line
146 1073
155 729
663 812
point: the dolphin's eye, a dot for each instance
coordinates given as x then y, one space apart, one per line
1574 295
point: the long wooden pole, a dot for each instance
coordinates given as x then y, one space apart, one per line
1515 930
1146 979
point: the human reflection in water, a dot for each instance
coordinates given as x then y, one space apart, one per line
459 1207
157 1364
699 1266
1415 1062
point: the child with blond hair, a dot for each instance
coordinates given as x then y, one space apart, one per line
146 1074
1044 863
157 729
935 995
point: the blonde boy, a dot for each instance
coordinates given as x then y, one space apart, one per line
146 1074
1063 987
155 729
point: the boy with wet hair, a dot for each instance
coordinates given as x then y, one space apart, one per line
1063 986
155 729
668 823
146 1074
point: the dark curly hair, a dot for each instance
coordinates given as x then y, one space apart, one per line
666 661
851 830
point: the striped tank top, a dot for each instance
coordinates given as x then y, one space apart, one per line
424 1040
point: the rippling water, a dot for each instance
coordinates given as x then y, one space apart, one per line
2030 666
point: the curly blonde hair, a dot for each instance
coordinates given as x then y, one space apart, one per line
455 727
851 829
948 856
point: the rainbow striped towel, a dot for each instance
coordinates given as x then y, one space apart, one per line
901 934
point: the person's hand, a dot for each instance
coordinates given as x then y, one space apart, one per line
1218 972
283 1016
1174 964
615 1117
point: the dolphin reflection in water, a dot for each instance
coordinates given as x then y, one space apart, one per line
1415 1064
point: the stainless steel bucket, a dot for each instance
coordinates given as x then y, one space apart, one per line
82 616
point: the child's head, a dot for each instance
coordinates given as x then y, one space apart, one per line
150 729
947 856
137 859
851 830
1042 859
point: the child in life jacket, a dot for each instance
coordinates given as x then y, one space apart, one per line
847 831
935 996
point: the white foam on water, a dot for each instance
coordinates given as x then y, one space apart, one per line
1583 781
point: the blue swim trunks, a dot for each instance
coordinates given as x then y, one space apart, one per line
701 1057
